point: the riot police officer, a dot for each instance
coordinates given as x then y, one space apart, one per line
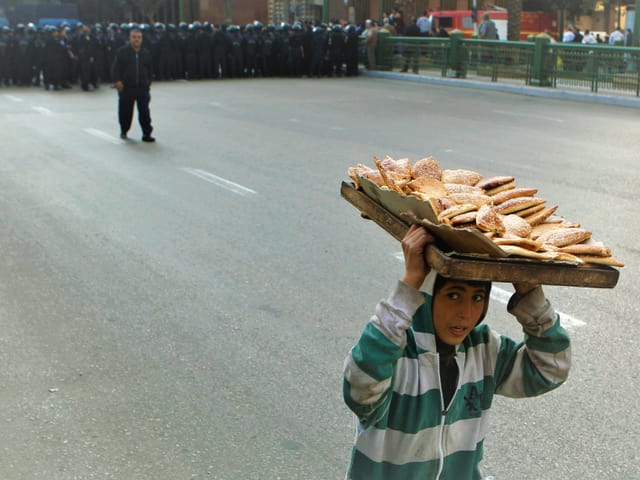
86 49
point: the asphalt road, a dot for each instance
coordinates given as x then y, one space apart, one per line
183 309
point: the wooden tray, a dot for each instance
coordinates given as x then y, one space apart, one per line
473 267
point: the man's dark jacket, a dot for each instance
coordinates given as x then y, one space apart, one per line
133 69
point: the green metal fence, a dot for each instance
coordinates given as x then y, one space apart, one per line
537 62
595 67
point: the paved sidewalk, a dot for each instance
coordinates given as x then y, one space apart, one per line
560 93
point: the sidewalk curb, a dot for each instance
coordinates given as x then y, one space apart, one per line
597 98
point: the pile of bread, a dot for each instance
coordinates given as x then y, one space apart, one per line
515 218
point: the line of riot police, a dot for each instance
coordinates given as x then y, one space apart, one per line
61 56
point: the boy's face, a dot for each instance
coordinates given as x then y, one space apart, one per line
457 307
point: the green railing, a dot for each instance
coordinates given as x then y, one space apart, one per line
414 54
537 62
595 67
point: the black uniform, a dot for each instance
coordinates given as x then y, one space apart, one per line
134 70
86 48
5 76
237 53
252 46
220 43
55 56
268 64
337 42
318 50
351 51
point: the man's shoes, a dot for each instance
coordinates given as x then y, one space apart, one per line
148 138
123 136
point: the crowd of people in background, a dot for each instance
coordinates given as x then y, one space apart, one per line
616 38
58 57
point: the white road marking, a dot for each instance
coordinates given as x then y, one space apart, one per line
103 135
502 296
43 110
337 129
294 120
221 182
215 104
448 150
13 98
527 115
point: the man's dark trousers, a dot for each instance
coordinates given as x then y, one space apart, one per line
126 99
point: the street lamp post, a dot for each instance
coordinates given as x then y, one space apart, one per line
636 25
181 11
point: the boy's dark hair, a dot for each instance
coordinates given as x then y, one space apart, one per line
440 281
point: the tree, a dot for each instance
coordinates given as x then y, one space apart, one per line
149 8
514 8
227 11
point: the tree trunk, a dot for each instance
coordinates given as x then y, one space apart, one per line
514 8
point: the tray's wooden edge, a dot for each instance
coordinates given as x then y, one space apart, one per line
374 211
501 270
493 269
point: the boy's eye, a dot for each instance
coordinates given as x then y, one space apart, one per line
478 297
453 295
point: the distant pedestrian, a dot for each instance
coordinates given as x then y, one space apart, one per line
371 35
616 37
488 29
131 73
411 52
588 38
569 35
424 23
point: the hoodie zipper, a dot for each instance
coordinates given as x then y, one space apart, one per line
443 415
137 71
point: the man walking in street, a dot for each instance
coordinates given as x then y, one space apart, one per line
131 73
488 29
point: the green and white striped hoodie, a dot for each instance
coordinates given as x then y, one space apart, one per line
391 383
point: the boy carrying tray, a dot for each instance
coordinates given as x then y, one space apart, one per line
422 376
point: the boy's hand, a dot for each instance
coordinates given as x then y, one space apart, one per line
524 288
414 245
